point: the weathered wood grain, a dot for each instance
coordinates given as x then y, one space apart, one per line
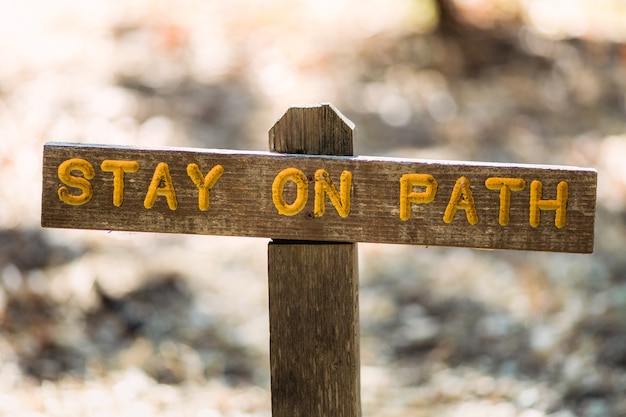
241 200
314 329
318 130
313 294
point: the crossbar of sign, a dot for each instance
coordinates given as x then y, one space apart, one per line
352 199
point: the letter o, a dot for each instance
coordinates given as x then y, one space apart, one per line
302 191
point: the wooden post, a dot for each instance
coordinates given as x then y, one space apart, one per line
313 285
313 292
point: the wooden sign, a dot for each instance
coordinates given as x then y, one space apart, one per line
313 206
307 197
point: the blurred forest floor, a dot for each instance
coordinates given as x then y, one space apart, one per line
131 324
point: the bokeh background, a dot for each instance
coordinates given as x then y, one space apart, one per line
135 324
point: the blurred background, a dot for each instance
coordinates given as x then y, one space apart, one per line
136 324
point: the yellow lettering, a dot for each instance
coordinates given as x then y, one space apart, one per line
408 195
537 204
161 185
302 191
340 199
204 183
82 183
118 168
461 198
505 185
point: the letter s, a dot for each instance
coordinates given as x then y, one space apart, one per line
82 183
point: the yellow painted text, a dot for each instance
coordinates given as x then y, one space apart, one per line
161 185
408 195
118 168
461 198
82 183
537 204
339 199
505 185
291 188
204 183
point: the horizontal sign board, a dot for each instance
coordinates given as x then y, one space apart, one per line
325 198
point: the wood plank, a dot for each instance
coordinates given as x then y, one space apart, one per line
313 294
241 202
314 329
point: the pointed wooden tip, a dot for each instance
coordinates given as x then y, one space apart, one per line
313 130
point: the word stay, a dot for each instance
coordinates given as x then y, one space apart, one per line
303 197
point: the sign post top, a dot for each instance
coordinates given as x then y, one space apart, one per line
316 130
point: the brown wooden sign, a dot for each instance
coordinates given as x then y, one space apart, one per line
313 286
304 197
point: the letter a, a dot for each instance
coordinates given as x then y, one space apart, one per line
161 185
505 185
302 191
461 198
